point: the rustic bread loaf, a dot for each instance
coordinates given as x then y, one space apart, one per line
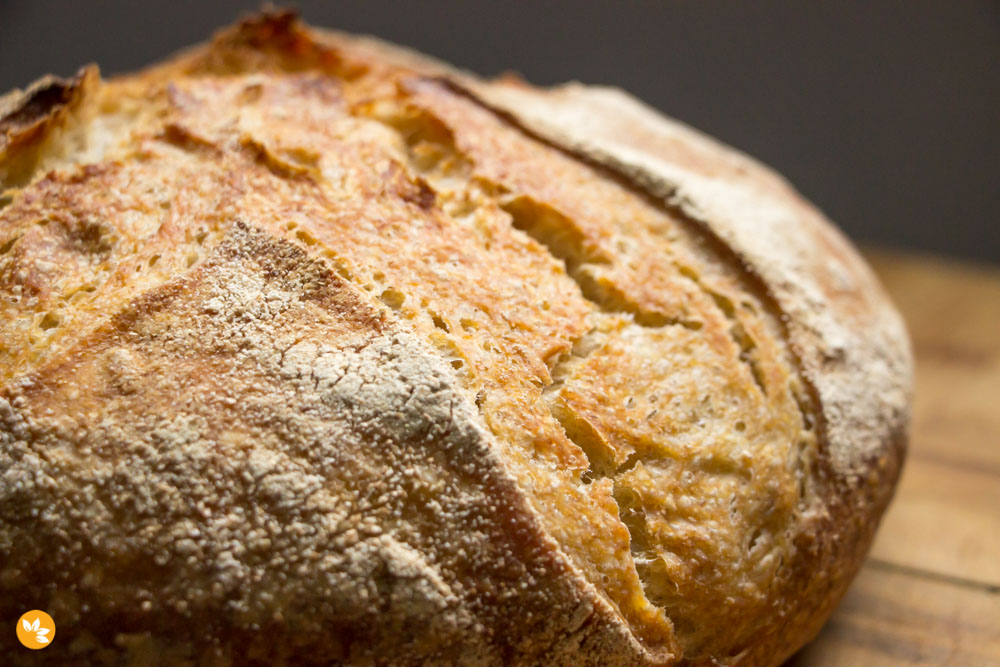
316 350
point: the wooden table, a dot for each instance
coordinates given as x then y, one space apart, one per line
929 593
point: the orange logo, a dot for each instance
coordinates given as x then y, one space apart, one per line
36 629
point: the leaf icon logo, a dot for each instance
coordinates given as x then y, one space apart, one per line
36 629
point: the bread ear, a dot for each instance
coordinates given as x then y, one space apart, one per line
27 117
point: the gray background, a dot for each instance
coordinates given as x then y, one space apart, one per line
886 114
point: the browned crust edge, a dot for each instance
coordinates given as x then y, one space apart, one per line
26 115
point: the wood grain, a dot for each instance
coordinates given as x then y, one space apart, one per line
929 593
895 618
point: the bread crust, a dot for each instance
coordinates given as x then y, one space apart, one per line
849 342
541 497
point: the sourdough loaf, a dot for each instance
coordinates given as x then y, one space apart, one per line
315 350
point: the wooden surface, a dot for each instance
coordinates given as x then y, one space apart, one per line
929 593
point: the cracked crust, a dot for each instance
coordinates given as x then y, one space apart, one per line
316 350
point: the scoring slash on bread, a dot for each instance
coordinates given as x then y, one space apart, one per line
316 350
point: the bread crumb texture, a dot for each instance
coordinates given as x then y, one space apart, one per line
309 355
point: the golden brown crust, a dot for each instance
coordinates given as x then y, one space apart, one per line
849 343
484 374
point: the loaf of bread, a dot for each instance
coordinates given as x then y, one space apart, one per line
318 351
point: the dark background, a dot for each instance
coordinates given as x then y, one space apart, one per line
886 114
